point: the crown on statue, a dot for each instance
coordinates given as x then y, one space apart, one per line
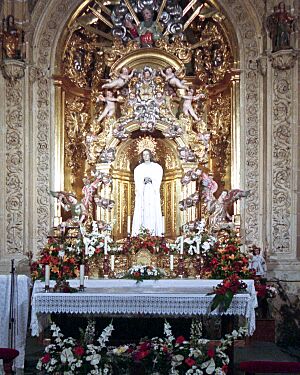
146 143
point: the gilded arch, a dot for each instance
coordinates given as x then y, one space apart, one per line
50 19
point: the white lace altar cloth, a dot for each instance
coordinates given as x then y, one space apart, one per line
21 307
162 298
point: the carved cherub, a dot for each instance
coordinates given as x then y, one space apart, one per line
110 107
187 108
121 80
172 80
69 202
218 209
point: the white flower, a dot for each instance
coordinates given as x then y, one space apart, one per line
53 361
67 356
94 359
205 245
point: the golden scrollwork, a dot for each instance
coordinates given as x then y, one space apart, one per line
213 56
76 127
83 62
178 47
118 50
219 120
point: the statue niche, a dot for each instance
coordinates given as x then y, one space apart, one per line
127 158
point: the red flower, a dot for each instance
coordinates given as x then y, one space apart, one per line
141 355
46 358
79 351
190 361
180 340
225 368
211 352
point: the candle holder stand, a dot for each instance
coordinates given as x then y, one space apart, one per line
106 268
180 269
81 288
198 266
47 288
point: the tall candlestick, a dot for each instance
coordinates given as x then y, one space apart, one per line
81 275
86 247
198 247
128 224
163 225
47 275
171 262
112 262
181 245
105 245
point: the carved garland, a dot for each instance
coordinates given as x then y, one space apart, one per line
45 44
282 161
15 166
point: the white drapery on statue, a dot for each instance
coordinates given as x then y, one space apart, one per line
147 210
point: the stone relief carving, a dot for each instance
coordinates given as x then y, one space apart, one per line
15 166
282 161
240 18
283 60
47 35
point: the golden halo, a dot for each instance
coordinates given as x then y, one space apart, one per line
146 142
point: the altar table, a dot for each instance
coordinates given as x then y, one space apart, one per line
21 307
123 297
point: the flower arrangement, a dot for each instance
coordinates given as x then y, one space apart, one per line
154 244
141 272
162 356
63 260
71 357
225 291
226 258
200 243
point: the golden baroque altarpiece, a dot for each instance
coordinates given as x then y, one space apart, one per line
105 122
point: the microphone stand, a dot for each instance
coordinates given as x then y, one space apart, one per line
12 321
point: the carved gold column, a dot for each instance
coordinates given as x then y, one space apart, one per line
58 179
235 129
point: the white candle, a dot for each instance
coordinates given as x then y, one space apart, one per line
128 224
86 247
105 245
163 225
47 275
198 247
181 245
112 262
56 221
81 274
171 262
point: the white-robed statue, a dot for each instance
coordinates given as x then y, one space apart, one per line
147 210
